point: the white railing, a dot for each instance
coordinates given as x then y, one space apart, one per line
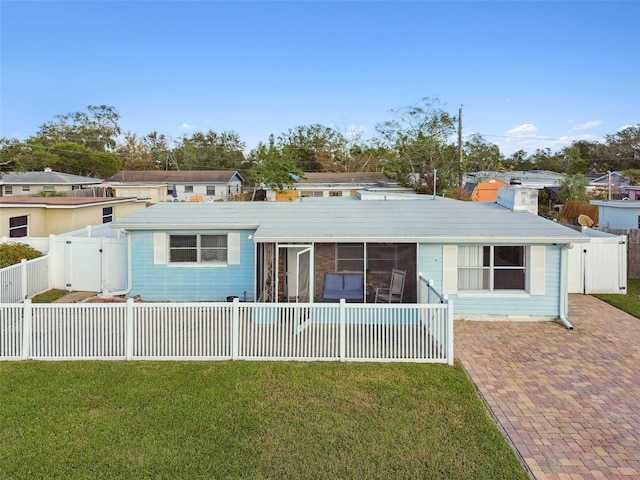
227 330
25 279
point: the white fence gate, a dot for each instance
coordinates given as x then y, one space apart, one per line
599 266
89 264
80 263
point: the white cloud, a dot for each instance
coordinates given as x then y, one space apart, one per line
185 126
526 128
588 125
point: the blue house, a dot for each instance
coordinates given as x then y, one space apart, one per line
492 259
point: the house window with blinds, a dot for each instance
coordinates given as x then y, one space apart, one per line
491 268
198 249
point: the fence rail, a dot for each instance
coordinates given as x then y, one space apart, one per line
227 330
25 279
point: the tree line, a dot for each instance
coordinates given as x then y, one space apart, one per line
417 141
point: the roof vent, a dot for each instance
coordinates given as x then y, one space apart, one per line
48 170
515 181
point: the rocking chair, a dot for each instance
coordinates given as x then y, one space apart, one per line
393 294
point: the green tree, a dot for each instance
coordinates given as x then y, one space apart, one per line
97 129
574 188
420 137
623 149
210 151
314 148
135 154
481 155
271 169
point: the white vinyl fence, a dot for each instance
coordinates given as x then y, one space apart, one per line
227 330
24 280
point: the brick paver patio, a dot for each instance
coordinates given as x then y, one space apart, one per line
568 400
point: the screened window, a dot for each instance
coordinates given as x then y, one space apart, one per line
211 190
8 189
490 268
188 189
107 214
350 257
19 226
382 258
198 248
48 188
26 188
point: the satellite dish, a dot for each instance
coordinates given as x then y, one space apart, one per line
585 221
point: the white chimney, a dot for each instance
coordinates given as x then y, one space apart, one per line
519 199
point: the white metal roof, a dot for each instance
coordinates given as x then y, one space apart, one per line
434 220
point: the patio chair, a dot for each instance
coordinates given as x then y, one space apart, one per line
393 294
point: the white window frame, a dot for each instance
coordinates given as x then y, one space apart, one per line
13 229
535 273
161 254
200 249
485 275
107 214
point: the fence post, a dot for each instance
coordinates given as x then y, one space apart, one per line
235 328
24 284
343 329
449 329
129 330
27 326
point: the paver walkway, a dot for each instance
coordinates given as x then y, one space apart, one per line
568 400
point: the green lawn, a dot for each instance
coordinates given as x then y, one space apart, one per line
246 420
630 302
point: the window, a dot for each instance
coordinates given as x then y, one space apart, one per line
335 193
197 248
48 188
188 189
8 190
310 193
19 226
107 214
26 188
490 268
211 190
350 257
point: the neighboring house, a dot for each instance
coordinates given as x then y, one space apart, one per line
184 186
43 216
624 214
489 259
537 179
633 193
485 190
328 184
611 184
32 183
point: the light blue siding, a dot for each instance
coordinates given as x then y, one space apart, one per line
181 283
430 263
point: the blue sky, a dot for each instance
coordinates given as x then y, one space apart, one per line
528 74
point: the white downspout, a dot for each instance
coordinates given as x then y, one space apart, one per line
564 285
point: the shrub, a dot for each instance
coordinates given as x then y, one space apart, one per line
12 253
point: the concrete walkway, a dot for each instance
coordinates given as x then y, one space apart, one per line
568 400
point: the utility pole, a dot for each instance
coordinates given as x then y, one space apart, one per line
460 166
